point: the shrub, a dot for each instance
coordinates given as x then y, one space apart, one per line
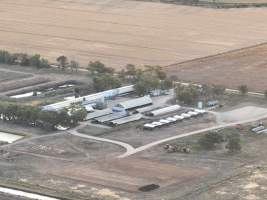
209 140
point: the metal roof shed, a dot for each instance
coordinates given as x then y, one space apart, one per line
98 113
127 119
135 103
111 117
165 110
146 109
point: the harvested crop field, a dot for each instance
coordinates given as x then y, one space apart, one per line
119 32
246 66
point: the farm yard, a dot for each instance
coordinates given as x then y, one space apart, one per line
99 133
83 168
245 66
121 32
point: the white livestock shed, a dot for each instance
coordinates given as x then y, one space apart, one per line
165 110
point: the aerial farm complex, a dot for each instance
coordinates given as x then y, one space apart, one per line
133 100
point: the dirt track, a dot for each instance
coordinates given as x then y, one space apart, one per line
246 66
118 32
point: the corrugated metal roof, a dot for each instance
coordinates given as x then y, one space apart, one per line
146 109
125 120
165 110
90 98
98 113
111 117
134 103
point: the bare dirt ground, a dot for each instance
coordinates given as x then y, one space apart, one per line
88 168
137 136
79 168
241 114
10 197
232 69
119 32
231 176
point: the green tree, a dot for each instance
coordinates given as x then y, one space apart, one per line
146 83
209 140
98 68
44 63
186 94
233 142
62 62
49 119
166 84
24 59
105 82
243 89
35 60
77 113
64 118
156 71
7 58
130 70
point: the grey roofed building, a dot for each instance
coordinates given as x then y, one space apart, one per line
99 113
146 109
92 98
135 103
165 110
111 117
127 119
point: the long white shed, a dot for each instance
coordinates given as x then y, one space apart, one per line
165 110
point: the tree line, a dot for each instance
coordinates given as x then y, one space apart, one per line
190 94
23 59
231 140
36 117
151 78
145 79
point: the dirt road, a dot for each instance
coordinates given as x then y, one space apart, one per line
145 147
238 116
119 32
126 146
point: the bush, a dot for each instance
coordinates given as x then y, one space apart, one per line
243 89
209 140
233 142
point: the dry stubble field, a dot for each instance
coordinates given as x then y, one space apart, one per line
245 66
118 32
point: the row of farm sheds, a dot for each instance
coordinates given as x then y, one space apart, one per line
173 119
89 100
129 111
121 113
